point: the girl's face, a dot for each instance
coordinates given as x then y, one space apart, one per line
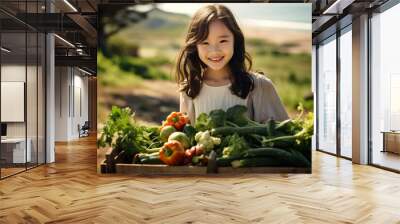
217 50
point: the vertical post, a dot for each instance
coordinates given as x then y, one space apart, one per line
369 78
0 94
26 87
50 92
313 89
338 76
316 101
360 90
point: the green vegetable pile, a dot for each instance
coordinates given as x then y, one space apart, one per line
246 143
125 136
236 140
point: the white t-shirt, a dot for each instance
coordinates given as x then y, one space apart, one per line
215 97
263 102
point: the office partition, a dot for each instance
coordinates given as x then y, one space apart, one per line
22 78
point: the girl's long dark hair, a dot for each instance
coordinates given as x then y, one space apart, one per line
189 67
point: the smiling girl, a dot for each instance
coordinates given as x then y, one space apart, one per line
213 74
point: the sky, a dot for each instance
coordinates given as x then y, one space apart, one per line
284 15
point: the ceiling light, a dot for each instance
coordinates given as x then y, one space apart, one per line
70 5
338 6
5 50
86 72
64 40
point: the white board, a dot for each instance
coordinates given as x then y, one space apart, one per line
12 101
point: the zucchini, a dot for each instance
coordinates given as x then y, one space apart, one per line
280 142
255 162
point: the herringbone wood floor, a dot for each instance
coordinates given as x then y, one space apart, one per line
70 191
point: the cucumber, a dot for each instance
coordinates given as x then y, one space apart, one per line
222 161
288 157
271 124
260 130
140 157
280 142
284 125
255 162
266 152
298 159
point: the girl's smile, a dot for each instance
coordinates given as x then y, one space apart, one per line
216 59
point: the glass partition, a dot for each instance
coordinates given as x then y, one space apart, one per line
22 87
14 151
327 95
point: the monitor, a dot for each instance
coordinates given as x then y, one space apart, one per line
3 129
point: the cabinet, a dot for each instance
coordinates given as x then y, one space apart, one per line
391 141
13 150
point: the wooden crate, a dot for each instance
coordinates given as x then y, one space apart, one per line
144 169
155 169
231 170
161 169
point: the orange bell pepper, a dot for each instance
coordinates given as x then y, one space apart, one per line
176 119
172 153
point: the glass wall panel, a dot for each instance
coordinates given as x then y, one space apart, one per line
327 95
22 100
31 100
346 92
385 84
32 86
14 146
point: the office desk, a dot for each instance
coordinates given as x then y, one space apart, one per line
13 150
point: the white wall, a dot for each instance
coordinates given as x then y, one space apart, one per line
71 94
61 103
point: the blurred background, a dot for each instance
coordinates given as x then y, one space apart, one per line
138 46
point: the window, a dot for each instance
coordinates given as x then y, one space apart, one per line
327 95
346 92
385 86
